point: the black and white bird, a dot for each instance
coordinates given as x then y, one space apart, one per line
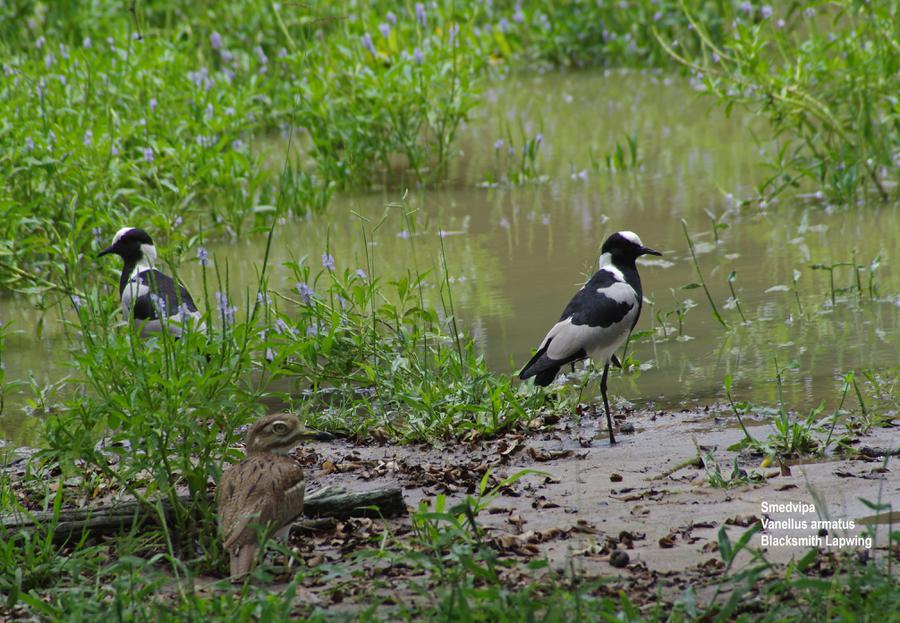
150 298
598 319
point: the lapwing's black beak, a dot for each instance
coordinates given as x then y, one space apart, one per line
649 251
105 251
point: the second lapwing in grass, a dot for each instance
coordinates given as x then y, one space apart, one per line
150 298
598 319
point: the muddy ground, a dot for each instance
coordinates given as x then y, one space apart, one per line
647 496
643 495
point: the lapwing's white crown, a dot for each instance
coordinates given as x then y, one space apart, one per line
631 237
121 233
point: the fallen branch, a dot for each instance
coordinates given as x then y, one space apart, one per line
334 502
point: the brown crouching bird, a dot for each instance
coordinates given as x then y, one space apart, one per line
266 489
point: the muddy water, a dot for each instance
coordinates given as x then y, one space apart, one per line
516 254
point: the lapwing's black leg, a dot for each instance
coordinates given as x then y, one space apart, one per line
612 437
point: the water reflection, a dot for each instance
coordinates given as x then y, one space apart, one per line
515 255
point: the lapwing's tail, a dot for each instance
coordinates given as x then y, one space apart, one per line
544 369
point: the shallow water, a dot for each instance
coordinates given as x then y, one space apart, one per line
516 254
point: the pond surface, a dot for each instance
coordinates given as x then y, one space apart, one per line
516 254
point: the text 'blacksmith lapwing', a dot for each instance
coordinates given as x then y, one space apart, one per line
598 319
151 298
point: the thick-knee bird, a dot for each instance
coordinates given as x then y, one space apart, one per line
598 319
150 298
265 491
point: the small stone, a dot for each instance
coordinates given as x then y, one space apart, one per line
615 477
626 428
618 559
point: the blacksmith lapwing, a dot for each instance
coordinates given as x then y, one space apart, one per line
150 297
598 319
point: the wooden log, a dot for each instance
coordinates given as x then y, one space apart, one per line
97 521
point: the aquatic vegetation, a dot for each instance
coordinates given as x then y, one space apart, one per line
621 158
821 78
709 298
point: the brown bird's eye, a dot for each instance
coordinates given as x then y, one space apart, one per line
279 427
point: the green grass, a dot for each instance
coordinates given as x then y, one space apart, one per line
166 115
821 73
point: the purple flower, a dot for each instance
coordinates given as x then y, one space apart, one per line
39 42
281 327
747 7
152 104
367 43
361 273
511 151
403 234
270 355
519 15
215 40
327 261
29 143
305 292
86 43
88 139
420 14
539 138
48 60
498 144
210 111
766 11
225 308
503 24
261 55
418 57
148 154
76 301
98 234
504 222
809 12
159 304
203 256
200 78
391 17
114 148
454 30
657 16
177 222
385 29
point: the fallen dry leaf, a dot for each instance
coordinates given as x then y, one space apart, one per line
667 541
548 455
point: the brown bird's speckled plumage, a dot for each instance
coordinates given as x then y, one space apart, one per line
265 489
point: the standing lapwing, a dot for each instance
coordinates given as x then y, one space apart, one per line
598 319
151 298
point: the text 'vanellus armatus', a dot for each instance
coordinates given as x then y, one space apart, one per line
598 319
150 297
